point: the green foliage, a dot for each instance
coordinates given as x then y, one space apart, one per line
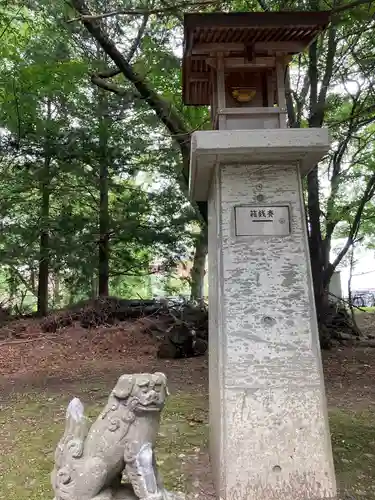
50 111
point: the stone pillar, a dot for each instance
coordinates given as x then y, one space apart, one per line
269 435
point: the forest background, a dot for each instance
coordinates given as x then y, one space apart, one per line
95 144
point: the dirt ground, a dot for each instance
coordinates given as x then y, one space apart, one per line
74 359
57 362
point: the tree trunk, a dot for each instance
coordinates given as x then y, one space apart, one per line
94 286
44 256
315 238
56 290
198 270
12 282
313 202
350 295
103 189
318 258
32 280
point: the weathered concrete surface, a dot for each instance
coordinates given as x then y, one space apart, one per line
273 146
269 434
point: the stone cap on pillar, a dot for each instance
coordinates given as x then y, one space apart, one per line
304 146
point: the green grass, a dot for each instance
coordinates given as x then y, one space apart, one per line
365 309
31 428
353 441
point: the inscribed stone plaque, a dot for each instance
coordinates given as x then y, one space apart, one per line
253 220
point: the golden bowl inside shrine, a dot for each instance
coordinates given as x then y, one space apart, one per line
243 94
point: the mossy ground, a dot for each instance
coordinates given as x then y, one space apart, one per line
353 440
31 427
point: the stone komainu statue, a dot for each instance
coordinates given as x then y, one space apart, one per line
114 459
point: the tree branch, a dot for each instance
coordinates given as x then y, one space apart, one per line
313 78
9 23
351 5
289 101
369 109
336 171
367 196
163 110
137 40
301 98
331 52
99 79
263 5
141 11
23 280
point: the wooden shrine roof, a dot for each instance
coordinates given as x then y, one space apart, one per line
235 34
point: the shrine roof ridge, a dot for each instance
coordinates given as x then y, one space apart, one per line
257 19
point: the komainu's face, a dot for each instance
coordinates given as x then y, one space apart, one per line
142 392
150 392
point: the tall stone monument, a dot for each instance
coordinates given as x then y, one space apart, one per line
269 434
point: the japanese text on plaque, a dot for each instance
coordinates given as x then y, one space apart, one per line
262 214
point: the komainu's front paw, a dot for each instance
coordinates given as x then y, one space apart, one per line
104 495
155 496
